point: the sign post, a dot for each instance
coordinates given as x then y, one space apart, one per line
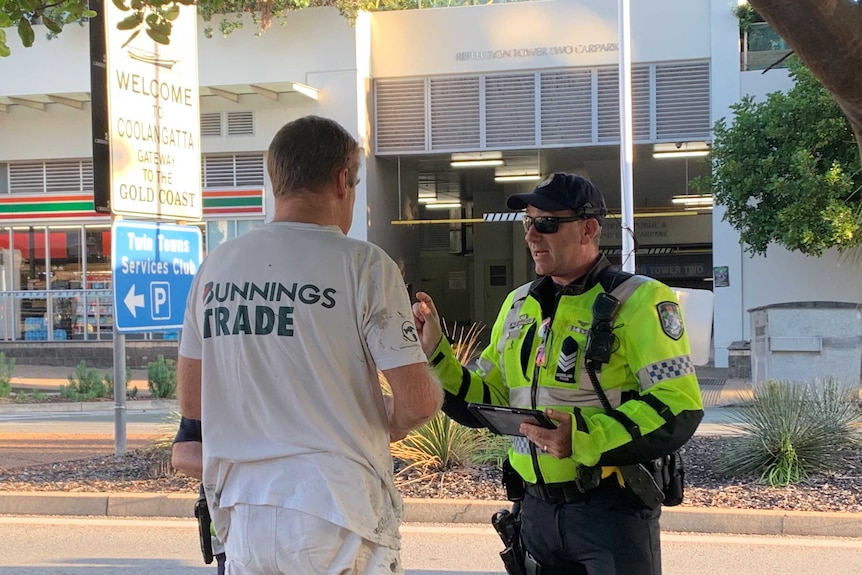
146 161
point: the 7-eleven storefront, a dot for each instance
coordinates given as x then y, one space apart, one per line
55 261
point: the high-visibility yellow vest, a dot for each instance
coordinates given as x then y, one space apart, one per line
650 380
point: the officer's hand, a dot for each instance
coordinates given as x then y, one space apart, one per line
558 441
427 322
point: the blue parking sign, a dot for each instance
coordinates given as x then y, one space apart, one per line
153 265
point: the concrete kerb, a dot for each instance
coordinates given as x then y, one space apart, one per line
456 511
76 407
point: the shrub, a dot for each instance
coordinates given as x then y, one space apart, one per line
85 384
442 443
162 377
159 449
790 430
131 393
7 366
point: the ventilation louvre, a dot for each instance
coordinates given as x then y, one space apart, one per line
400 115
211 125
566 100
455 123
240 123
510 110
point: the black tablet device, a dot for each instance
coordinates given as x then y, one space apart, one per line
506 420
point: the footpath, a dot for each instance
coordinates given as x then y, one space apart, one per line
718 392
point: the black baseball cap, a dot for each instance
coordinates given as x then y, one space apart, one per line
562 191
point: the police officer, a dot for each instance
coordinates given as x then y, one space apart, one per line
584 510
187 458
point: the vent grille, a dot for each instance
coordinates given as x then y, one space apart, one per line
229 171
211 124
27 178
455 121
572 107
400 115
240 123
249 170
63 176
682 101
566 107
510 110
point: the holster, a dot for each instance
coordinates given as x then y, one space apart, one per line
508 526
202 513
669 472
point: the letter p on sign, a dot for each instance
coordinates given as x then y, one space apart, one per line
160 300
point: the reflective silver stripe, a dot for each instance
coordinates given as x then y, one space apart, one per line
484 367
625 290
521 445
511 331
664 370
521 397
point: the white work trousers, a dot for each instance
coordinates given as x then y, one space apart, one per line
267 540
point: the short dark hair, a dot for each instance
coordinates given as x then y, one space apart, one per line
308 153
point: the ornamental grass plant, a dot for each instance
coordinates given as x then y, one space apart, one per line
442 443
790 430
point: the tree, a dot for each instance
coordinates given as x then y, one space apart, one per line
155 16
787 170
827 37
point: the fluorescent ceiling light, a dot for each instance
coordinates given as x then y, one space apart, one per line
693 154
517 178
443 206
476 159
693 200
680 150
427 199
697 208
475 163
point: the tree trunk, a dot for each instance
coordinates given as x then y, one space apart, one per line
827 37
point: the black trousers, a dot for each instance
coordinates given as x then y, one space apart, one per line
609 532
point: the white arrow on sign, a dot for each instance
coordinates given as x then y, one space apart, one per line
134 301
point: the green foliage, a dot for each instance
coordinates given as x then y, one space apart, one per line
790 430
85 384
787 171
32 397
7 366
23 14
162 377
109 382
746 16
442 444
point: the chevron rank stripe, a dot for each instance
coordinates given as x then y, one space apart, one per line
567 361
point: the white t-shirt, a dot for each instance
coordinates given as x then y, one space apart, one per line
291 322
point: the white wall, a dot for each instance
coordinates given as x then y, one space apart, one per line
729 316
784 276
428 42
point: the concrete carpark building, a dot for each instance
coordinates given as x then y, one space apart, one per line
530 86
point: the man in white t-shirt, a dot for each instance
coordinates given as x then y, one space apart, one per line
284 331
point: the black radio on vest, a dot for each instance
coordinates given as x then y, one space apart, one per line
600 341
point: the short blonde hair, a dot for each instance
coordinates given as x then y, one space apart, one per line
306 154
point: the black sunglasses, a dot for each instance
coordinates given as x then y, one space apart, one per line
547 224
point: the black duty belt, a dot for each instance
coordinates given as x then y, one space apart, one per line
570 491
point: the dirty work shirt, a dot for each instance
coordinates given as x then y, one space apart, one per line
291 322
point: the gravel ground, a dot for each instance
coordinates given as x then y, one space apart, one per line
144 471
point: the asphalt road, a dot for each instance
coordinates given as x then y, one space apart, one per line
85 546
